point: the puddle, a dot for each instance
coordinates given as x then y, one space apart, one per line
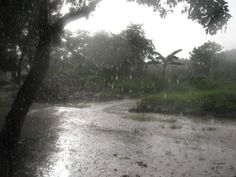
104 139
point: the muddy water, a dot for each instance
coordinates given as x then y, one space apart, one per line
104 139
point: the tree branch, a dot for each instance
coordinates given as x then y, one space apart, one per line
174 53
71 16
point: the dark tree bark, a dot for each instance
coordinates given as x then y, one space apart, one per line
13 75
5 75
16 116
20 68
164 71
14 120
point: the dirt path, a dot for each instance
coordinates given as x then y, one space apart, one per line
104 139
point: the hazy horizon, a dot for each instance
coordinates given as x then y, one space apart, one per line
169 34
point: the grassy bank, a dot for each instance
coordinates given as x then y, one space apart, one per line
216 100
101 87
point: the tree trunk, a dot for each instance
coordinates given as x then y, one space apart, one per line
16 116
14 120
164 71
210 73
19 68
13 75
5 75
5 162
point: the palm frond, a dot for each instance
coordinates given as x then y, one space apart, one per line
174 53
170 58
159 55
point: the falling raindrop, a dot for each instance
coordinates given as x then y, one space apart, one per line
212 121
165 96
117 77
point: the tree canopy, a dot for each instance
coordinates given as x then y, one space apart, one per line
169 59
126 51
212 15
19 19
204 54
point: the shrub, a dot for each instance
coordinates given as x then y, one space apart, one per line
52 93
215 102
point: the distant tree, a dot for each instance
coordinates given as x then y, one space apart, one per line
137 48
18 33
67 65
126 50
9 63
203 56
170 59
99 49
224 65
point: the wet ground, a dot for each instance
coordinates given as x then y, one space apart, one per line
105 140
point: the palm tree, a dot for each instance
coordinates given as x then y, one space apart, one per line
170 59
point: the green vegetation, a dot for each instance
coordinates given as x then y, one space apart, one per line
197 97
104 62
101 85
207 86
170 59
106 75
203 56
30 29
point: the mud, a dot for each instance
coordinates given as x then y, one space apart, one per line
103 140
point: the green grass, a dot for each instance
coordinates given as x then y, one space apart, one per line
137 84
215 99
195 96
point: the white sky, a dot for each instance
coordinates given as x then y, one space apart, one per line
169 34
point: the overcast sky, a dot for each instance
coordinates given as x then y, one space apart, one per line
169 34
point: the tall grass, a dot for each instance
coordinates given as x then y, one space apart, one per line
193 98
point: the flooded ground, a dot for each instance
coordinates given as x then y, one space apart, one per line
104 139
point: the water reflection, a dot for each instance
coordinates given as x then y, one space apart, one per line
61 159
57 152
103 140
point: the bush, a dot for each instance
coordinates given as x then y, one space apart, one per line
93 83
214 102
52 93
134 85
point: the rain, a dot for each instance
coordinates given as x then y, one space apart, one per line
145 91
